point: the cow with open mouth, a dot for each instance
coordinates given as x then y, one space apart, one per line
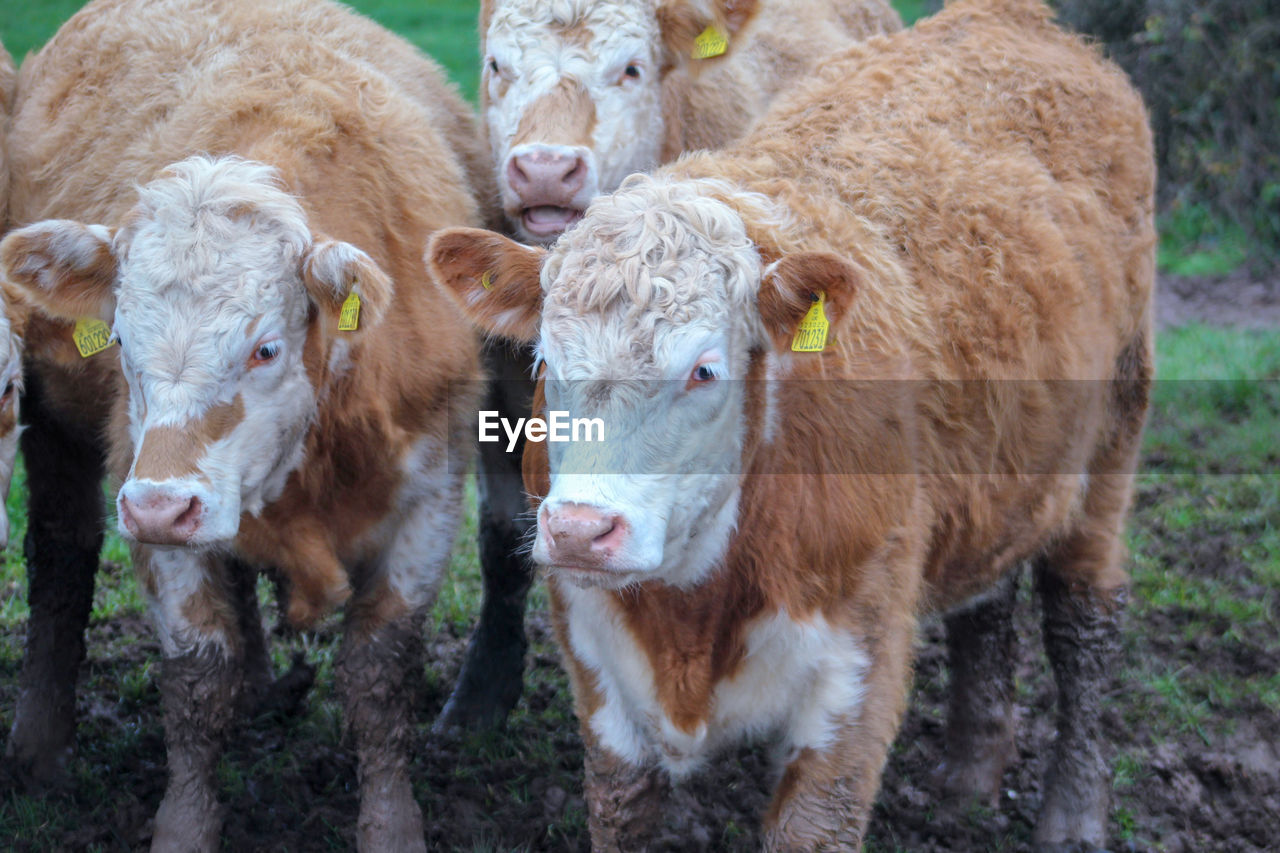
227 204
852 370
576 95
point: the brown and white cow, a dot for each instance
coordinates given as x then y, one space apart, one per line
261 420
852 370
576 95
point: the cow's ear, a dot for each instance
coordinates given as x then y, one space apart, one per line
494 280
701 30
333 271
64 268
803 296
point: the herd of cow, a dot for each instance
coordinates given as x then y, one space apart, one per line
878 333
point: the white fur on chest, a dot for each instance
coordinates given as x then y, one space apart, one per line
799 678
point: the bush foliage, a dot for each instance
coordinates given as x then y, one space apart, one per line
1210 73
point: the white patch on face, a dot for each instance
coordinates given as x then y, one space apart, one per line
209 274
424 525
801 679
536 44
179 574
636 301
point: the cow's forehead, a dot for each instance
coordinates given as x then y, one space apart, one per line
597 29
210 239
646 262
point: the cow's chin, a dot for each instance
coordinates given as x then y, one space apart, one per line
593 578
545 223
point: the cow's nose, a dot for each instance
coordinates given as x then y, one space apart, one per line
546 178
581 535
161 518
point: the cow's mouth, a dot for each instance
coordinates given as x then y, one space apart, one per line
548 220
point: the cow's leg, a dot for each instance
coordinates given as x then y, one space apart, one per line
981 652
1083 587
64 538
624 801
195 613
490 681
824 799
379 668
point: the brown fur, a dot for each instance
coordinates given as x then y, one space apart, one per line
566 114
712 102
990 192
174 451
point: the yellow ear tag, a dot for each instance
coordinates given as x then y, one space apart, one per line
91 335
811 335
486 280
349 319
710 43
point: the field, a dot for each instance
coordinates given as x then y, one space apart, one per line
1193 704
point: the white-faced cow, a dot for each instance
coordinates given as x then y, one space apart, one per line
852 370
577 95
241 192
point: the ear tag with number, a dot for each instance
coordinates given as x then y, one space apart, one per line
91 336
486 280
811 334
712 42
349 319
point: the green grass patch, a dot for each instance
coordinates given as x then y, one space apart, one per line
1194 241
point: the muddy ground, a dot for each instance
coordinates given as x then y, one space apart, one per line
289 783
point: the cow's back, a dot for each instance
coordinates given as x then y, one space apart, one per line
781 45
1034 144
129 86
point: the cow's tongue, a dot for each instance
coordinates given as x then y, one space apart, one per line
550 218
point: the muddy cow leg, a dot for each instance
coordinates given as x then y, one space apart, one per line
64 538
377 673
1081 637
981 653
1083 587
824 799
624 801
194 608
491 678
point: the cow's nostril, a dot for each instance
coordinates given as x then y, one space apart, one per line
190 515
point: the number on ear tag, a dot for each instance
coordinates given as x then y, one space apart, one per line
349 319
710 43
811 334
91 336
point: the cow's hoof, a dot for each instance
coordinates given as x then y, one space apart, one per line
187 825
36 758
1072 828
977 774
390 820
488 687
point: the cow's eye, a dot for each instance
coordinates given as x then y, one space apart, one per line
701 375
631 72
265 352
493 66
